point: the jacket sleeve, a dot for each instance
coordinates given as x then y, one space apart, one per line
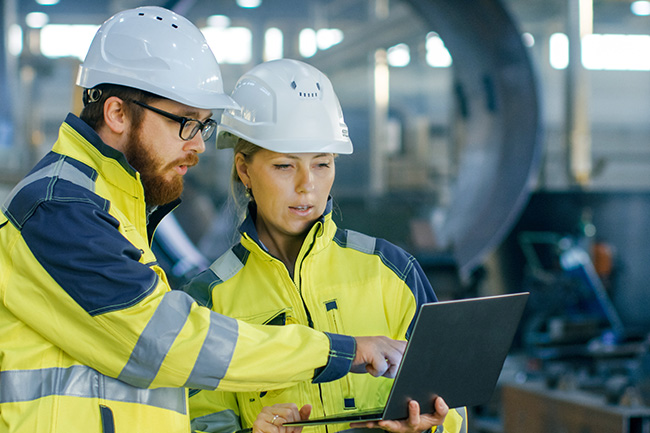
410 277
421 288
214 412
78 282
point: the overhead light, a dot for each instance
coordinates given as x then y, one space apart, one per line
47 2
36 20
249 4
640 8
437 54
327 38
399 55
528 39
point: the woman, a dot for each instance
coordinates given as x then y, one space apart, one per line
293 265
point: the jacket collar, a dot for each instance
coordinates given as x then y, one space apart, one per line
320 233
79 141
91 136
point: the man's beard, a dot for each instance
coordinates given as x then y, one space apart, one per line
157 190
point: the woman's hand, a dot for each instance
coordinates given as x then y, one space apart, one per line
271 418
415 423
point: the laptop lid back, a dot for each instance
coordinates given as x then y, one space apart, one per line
471 339
456 351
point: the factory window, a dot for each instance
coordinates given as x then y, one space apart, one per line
221 21
37 20
616 52
307 42
640 8
559 51
310 40
230 44
15 40
604 52
62 40
273 40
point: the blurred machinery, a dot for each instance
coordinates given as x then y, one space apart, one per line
584 359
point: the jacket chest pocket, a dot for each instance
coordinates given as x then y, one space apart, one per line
278 316
334 319
252 403
335 322
132 235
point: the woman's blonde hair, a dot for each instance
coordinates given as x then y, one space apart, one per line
237 189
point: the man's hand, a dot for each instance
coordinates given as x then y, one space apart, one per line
415 423
379 356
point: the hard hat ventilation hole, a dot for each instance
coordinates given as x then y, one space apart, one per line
305 94
159 18
318 85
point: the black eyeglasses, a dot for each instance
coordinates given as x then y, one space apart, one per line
189 127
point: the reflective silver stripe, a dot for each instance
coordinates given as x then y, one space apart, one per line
156 339
361 242
226 266
72 174
217 351
62 170
224 421
81 381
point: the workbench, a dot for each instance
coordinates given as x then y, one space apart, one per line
535 408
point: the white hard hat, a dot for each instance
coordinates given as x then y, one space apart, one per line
156 50
287 106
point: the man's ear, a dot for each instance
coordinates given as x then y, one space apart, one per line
114 116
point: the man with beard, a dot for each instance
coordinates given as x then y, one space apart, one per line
92 339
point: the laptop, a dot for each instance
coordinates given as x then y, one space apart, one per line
456 351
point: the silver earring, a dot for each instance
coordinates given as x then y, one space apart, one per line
248 192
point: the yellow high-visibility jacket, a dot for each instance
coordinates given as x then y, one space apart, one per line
92 339
343 282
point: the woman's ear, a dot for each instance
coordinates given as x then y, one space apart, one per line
241 165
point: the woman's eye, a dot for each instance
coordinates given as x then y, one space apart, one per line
282 166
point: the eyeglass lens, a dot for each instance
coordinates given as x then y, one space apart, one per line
191 127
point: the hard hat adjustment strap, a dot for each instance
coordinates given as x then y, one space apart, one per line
91 95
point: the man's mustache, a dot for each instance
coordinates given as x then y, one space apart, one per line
190 161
